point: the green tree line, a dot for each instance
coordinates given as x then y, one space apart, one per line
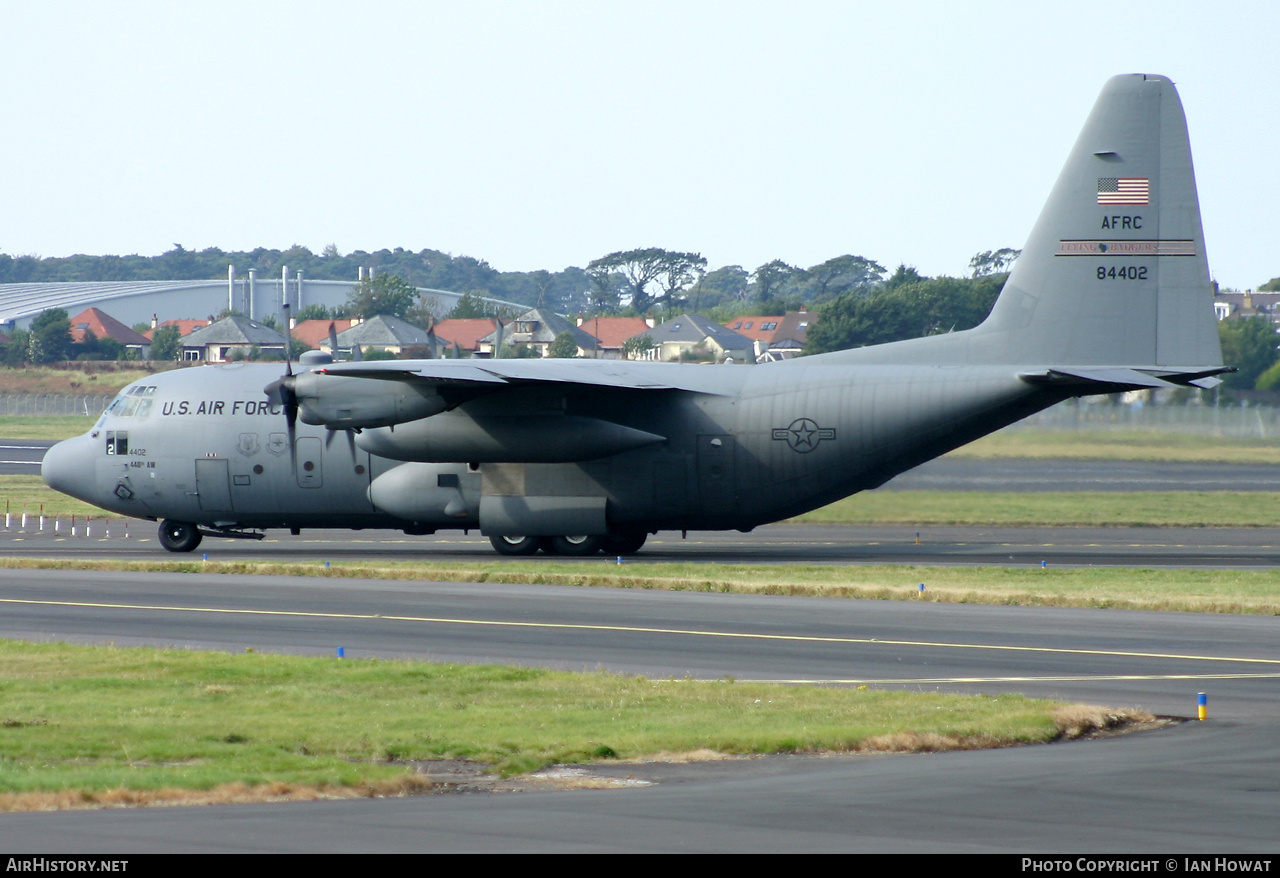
639 281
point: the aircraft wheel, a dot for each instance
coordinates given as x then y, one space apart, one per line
624 543
179 536
507 545
577 545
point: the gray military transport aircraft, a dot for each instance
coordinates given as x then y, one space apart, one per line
1111 293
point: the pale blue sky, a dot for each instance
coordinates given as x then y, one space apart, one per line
545 134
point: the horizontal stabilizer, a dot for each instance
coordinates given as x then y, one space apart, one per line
1117 380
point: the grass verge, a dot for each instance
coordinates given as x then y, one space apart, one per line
52 428
98 725
30 493
1121 444
1055 509
1253 592
102 377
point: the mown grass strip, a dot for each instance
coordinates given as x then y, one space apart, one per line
1254 592
1055 509
98 719
30 493
52 427
1121 444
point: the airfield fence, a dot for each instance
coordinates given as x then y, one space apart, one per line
50 404
1229 421
1226 421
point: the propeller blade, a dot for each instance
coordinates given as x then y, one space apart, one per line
351 441
288 343
281 392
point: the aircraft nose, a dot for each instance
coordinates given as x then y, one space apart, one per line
69 467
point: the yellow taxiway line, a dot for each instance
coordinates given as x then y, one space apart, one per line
633 629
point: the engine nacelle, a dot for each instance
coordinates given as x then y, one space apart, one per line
346 403
461 438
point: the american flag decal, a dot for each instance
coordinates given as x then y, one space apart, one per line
1123 190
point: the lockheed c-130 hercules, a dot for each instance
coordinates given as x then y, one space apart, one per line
1111 293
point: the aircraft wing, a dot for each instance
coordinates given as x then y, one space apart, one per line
488 373
383 393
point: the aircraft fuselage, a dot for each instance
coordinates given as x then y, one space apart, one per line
756 444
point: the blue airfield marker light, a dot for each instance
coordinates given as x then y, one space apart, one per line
204 557
1202 706
1043 564
326 565
342 653
922 588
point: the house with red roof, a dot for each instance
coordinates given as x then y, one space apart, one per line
103 325
464 333
315 333
611 332
185 326
784 336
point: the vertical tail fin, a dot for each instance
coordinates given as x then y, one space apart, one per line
1114 272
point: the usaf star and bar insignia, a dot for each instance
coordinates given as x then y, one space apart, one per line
803 435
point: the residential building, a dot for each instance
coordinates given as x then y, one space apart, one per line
185 326
231 338
315 333
611 332
535 330
387 333
103 325
694 337
776 337
464 334
1229 306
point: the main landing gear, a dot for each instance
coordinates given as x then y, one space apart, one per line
179 536
620 543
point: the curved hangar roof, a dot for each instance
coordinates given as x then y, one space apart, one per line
133 302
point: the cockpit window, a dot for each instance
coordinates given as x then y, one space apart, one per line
133 402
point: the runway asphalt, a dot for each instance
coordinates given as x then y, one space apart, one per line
1188 788
22 456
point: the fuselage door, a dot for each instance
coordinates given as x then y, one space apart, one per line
310 470
213 487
